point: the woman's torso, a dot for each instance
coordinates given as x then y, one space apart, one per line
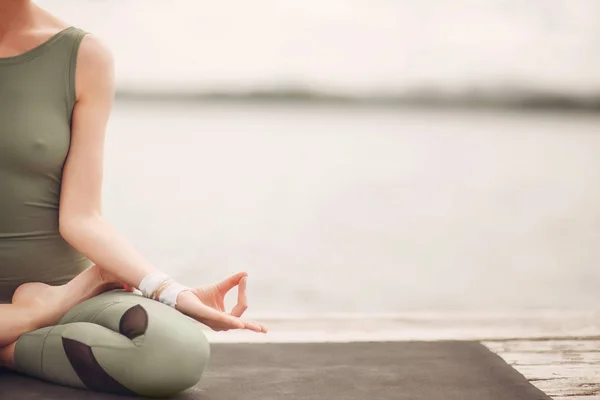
37 95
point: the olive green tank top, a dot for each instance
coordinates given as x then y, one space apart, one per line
37 95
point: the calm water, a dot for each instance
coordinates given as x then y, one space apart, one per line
363 210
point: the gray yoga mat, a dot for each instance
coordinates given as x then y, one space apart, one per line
445 370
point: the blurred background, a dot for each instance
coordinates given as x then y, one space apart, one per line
359 156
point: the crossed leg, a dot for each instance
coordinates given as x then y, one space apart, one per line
116 342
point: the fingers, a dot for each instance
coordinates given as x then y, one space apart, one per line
242 301
231 282
248 325
255 326
226 325
242 306
227 321
191 306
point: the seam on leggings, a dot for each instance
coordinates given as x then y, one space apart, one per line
43 348
103 346
83 310
93 319
75 316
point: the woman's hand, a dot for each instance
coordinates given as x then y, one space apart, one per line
207 305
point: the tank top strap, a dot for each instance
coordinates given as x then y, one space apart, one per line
49 69
72 40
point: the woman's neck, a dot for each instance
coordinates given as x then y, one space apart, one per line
15 14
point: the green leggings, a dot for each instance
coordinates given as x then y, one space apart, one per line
120 343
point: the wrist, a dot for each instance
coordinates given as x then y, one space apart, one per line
186 301
161 287
89 283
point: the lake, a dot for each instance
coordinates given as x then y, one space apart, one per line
336 209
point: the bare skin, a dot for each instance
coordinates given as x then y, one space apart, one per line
36 305
23 26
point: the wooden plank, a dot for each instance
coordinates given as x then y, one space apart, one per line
563 369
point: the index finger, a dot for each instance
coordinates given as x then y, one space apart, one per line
229 283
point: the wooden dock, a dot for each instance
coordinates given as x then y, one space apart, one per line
559 352
567 369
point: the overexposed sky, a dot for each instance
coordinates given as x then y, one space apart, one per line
346 45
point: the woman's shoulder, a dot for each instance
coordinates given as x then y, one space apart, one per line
91 50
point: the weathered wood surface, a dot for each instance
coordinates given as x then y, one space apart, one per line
563 369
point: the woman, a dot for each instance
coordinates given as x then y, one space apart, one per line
59 259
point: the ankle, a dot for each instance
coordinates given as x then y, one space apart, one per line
87 284
106 280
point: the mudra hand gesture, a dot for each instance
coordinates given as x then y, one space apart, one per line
206 304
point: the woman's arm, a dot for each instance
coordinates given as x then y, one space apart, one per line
80 216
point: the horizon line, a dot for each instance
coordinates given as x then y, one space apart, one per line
506 98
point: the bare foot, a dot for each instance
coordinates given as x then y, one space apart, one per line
34 294
7 356
48 304
109 281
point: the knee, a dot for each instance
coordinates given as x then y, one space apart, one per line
180 365
186 357
174 352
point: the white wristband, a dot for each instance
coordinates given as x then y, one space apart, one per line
169 295
161 287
